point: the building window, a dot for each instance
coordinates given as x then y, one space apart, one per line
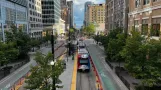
137 3
30 12
155 31
29 5
30 18
32 6
144 29
146 2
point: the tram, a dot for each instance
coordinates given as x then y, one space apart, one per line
83 60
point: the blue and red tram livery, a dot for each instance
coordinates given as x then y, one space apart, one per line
83 60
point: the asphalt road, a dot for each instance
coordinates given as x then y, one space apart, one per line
10 80
109 79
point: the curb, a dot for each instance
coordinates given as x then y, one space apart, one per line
98 80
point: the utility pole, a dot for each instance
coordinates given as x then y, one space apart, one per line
69 42
52 49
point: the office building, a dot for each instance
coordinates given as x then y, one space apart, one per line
64 13
13 12
86 12
70 14
97 16
51 14
145 16
35 18
116 14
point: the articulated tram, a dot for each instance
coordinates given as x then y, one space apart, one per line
83 60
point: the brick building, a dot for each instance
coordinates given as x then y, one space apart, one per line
145 16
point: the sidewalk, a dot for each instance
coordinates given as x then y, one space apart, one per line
66 76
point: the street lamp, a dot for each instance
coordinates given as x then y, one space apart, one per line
68 40
52 62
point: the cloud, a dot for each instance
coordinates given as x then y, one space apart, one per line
79 9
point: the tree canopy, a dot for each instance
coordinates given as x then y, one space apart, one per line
142 57
89 30
42 74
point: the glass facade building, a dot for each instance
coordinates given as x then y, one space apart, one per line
51 12
13 12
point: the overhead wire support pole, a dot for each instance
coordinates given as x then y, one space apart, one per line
69 44
52 47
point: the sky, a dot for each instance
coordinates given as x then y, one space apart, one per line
79 10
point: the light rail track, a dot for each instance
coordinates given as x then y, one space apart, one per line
85 81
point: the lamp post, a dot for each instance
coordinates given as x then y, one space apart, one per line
69 41
52 63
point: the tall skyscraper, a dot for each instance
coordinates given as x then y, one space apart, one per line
13 12
35 18
50 12
86 12
96 15
70 14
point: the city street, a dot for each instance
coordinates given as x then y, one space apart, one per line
11 79
109 79
117 41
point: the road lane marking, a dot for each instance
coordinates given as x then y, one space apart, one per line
74 76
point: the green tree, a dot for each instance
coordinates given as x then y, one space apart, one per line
47 38
71 30
34 43
130 51
41 74
2 53
11 53
21 39
89 30
8 53
142 58
114 48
